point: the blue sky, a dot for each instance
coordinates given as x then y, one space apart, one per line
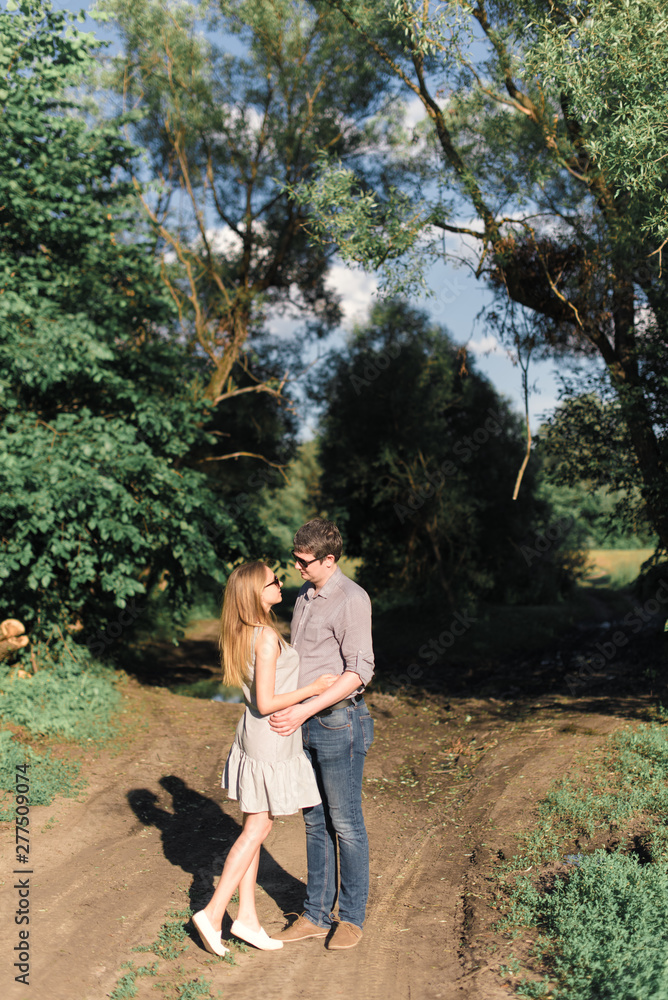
456 302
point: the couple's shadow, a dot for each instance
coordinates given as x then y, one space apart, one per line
196 836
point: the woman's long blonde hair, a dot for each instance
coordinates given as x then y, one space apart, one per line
242 610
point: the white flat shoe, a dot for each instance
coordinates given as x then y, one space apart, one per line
210 937
259 939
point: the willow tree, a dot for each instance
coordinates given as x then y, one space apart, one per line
541 145
239 100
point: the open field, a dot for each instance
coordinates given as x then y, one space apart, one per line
615 567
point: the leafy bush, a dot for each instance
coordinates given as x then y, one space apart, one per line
609 927
48 775
604 925
102 411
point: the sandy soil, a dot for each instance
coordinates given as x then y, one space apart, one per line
448 787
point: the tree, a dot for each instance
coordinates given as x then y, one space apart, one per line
227 134
282 508
99 408
587 464
534 126
418 456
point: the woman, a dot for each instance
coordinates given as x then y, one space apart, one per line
268 774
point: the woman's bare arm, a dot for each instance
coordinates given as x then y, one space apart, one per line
267 649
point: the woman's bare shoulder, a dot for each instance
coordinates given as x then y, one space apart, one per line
266 640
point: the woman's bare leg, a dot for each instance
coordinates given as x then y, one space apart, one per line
247 913
244 855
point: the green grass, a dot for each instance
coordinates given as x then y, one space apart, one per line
47 776
207 688
628 781
194 989
168 946
171 938
71 695
607 931
603 924
126 987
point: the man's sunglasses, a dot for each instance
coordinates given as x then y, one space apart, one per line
274 583
304 563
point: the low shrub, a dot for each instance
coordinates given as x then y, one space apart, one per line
607 922
603 924
47 775
71 695
631 779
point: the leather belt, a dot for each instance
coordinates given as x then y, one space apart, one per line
346 703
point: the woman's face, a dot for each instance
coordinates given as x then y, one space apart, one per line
271 592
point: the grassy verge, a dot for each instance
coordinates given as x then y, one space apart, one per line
70 697
598 899
169 976
47 775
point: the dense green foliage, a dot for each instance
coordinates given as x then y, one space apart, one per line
603 923
608 928
100 409
419 459
288 502
609 56
534 126
587 460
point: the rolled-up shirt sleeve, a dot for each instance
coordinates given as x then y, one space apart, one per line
353 631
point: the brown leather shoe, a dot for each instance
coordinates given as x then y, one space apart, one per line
301 929
346 935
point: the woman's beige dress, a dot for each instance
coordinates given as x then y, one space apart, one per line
265 771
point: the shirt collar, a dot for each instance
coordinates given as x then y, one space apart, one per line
326 589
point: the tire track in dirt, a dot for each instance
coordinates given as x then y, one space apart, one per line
500 806
111 866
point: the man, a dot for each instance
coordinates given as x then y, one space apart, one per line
331 630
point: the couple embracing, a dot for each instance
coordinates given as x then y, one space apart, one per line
301 742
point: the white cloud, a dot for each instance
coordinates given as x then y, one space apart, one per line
414 112
485 345
357 289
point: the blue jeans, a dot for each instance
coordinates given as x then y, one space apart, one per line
336 745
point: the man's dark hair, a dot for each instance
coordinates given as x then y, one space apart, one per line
320 537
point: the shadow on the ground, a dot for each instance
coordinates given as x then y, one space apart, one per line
196 836
586 662
602 666
162 664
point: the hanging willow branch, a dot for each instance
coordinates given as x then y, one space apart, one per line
524 365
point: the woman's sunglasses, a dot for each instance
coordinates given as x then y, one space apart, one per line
274 583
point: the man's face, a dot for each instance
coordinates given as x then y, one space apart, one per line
311 569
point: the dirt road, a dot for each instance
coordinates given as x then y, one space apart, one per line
448 787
